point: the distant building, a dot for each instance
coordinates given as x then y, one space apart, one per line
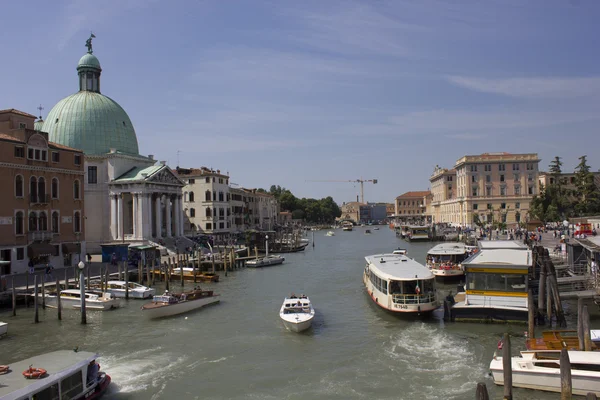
351 211
42 208
413 205
285 218
373 212
568 180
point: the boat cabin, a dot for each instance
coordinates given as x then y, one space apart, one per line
451 254
418 232
502 244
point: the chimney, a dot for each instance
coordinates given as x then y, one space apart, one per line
357 198
151 156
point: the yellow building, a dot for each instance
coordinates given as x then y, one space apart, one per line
567 180
413 204
493 187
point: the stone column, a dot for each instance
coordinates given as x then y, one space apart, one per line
120 215
158 217
181 217
146 217
176 217
168 215
113 217
135 214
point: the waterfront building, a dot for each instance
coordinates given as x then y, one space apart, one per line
351 211
206 200
42 208
267 210
285 218
373 212
413 205
128 196
567 180
487 188
239 209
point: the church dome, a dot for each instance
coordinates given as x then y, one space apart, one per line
88 120
39 125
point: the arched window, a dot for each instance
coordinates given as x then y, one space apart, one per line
33 189
19 186
207 195
32 222
19 230
221 196
43 221
208 212
191 197
185 196
55 222
192 212
214 196
77 222
55 188
76 191
41 189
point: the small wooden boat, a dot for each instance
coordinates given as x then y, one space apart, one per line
170 304
3 328
266 261
188 275
557 340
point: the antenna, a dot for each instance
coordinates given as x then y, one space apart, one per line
40 108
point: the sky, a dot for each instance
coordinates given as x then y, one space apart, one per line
284 92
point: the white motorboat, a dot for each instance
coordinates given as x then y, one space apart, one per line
136 291
170 304
266 261
330 233
445 260
297 313
3 328
71 298
63 374
540 370
400 251
347 226
400 284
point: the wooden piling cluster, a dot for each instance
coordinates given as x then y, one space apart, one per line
549 303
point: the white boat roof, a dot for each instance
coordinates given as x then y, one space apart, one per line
398 267
445 249
417 226
575 356
57 363
500 257
502 244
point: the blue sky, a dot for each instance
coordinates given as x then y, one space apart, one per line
281 92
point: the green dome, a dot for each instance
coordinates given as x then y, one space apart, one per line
89 61
39 125
91 122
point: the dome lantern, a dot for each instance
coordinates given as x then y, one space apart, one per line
89 69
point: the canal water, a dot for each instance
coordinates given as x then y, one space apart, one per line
239 349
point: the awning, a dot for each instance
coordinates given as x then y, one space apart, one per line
40 249
142 247
70 248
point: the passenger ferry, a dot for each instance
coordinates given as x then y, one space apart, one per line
445 260
415 233
400 284
63 374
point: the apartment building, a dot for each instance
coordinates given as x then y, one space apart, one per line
351 211
413 204
568 180
42 210
490 187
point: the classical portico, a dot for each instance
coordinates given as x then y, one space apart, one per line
146 203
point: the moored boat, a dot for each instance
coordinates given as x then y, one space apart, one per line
399 284
266 261
169 304
188 274
330 233
400 251
297 313
445 260
347 226
136 291
71 298
3 328
540 370
367 231
67 374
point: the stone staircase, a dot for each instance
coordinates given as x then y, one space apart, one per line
173 245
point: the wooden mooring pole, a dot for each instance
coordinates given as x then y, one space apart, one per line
542 296
36 318
14 297
566 384
587 340
507 367
580 334
58 298
44 293
482 392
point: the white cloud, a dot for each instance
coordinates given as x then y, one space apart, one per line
545 88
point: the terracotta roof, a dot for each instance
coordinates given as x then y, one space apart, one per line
52 145
4 136
415 194
63 147
14 111
198 171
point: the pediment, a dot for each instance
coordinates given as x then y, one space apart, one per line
165 175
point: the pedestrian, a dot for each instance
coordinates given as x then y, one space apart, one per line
48 272
31 267
113 259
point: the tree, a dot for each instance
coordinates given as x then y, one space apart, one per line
587 193
287 201
298 214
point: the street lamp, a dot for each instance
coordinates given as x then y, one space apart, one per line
267 246
81 266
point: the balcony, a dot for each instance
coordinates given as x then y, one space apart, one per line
41 236
39 199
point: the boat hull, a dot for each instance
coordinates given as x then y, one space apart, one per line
264 262
547 380
178 308
461 312
3 328
447 273
97 391
133 294
76 303
297 326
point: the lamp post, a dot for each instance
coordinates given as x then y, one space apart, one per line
81 266
266 246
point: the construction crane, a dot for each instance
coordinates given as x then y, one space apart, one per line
361 181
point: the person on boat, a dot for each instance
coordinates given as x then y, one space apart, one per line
92 372
450 298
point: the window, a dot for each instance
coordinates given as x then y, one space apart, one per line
191 197
33 189
503 205
50 393
22 125
504 218
92 174
41 190
475 206
30 153
76 190
488 178
192 212
221 225
502 178
214 196
515 167
208 212
529 167
475 192
220 180
473 168
531 190
54 188
449 179
72 385
55 156
20 253
221 198
530 177
32 222
19 228
43 221
517 190
44 155
37 154
501 167
19 186
502 190
207 195
517 205
208 225
207 179
474 178
487 168
77 222
213 179
517 177
488 191
55 219
77 159
191 181
19 151
489 206
221 213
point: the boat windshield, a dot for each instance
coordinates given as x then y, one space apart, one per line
296 310
164 299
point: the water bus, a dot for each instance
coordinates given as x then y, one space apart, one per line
417 232
445 260
400 284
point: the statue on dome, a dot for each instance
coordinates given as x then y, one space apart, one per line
88 43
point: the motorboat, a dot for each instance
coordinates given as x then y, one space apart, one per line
540 370
3 328
297 313
169 304
400 251
367 231
445 260
188 274
330 233
347 226
136 291
400 284
63 374
266 261
376 228
71 298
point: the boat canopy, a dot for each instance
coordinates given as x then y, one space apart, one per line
447 249
397 267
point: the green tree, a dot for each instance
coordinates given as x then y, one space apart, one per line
287 201
587 193
298 214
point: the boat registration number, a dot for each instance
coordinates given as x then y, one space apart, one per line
402 306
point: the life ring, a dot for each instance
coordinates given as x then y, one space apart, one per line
34 373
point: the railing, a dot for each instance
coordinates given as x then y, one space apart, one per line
40 236
413 298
